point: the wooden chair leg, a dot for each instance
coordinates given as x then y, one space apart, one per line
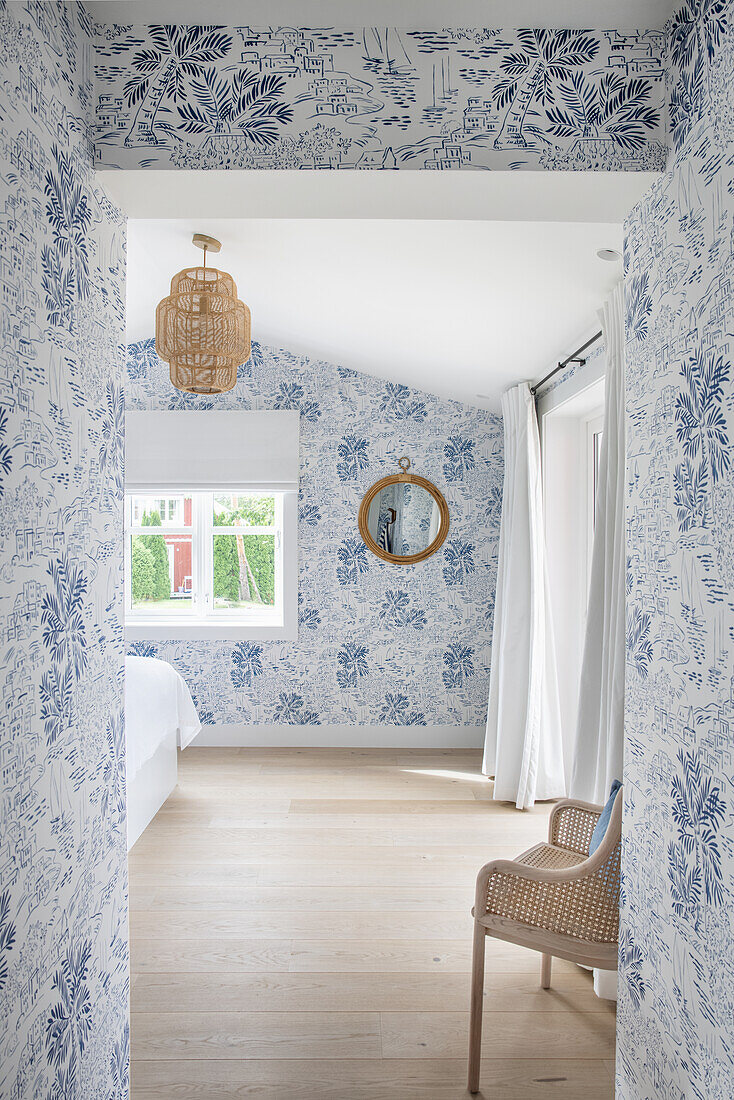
545 971
477 1001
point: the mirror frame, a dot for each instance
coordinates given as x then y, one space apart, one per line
364 509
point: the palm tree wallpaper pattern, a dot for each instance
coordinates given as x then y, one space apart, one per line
368 97
63 905
676 1007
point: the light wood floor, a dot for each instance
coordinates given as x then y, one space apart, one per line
300 930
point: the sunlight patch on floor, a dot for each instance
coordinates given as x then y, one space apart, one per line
449 773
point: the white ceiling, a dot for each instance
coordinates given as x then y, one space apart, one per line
622 14
278 193
457 308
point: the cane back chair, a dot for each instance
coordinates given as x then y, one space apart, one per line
555 898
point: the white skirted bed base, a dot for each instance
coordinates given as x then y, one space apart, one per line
159 716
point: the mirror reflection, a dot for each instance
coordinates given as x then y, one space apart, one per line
403 519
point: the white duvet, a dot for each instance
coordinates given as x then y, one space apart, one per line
158 705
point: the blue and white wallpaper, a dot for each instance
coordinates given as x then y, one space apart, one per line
676 1008
63 891
378 643
376 97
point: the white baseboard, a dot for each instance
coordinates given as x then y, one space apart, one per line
341 736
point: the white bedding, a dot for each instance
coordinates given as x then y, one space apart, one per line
158 704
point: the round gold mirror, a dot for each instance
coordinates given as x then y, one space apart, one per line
403 518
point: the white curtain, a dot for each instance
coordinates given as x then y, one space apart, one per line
600 725
523 748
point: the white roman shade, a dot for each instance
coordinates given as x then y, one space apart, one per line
241 451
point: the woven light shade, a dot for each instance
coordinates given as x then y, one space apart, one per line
202 329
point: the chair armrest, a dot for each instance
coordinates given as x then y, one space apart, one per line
572 824
580 901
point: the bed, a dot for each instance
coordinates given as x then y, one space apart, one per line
160 716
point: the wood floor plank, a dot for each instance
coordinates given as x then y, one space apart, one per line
336 992
504 1034
444 785
398 787
350 956
381 806
418 832
219 1036
314 899
148 874
180 808
311 874
208 956
413 872
300 930
193 925
371 1079
277 836
199 847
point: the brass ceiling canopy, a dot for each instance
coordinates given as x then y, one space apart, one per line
202 329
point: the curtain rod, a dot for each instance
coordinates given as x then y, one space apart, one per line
573 358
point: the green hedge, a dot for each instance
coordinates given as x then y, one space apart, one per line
156 544
226 565
143 571
259 551
226 569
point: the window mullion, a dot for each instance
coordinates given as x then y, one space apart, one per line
209 575
278 551
198 518
206 511
167 532
244 529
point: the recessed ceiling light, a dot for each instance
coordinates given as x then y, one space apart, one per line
608 254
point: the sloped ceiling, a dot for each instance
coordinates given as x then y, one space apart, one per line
457 308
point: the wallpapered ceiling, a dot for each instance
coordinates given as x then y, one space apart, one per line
63 903
676 1011
375 97
378 643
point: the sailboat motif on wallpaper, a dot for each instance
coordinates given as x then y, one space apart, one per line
293 97
384 45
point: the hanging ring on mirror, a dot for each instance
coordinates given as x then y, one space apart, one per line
404 463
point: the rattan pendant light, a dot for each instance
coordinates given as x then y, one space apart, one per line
202 329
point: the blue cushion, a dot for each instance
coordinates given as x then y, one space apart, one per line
603 823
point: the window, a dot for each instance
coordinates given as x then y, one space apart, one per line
211 524
210 564
170 510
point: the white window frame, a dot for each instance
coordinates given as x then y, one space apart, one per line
203 622
593 427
